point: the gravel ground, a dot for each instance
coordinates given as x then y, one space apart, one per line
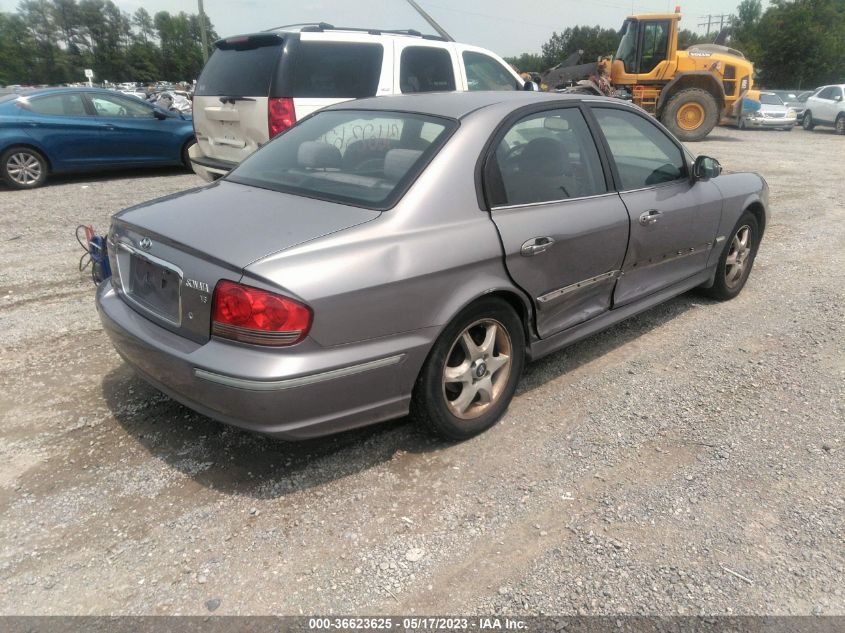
686 461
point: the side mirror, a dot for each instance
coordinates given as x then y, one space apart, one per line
161 116
705 168
530 85
838 98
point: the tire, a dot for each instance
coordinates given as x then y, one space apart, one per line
456 409
23 168
691 114
839 126
743 244
186 158
807 123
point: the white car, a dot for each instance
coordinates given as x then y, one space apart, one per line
826 107
256 86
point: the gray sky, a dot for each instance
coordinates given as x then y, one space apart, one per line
492 24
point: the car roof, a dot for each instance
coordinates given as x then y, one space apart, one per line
32 92
454 105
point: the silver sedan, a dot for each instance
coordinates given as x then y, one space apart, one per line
412 253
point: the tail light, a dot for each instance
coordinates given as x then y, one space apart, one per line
280 115
250 315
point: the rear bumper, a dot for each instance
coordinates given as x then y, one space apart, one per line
208 168
295 393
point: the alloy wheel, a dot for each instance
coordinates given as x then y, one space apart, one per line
24 168
477 368
738 257
840 125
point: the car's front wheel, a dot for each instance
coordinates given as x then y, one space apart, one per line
186 156
23 168
737 259
807 122
472 372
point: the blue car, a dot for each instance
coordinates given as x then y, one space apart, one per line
64 130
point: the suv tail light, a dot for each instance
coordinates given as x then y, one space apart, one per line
250 315
280 115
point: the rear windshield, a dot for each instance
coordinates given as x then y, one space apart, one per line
240 67
337 70
359 157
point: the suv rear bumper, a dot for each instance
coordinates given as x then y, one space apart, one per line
208 168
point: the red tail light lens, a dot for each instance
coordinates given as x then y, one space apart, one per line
280 115
250 315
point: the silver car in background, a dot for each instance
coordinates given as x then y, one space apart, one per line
411 253
773 113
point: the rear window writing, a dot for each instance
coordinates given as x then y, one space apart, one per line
239 72
337 70
363 158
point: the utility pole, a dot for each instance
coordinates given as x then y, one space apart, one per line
712 19
203 34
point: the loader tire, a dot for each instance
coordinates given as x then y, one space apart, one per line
691 114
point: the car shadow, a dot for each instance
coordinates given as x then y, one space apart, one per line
134 173
247 464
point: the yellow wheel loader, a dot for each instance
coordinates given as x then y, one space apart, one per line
689 91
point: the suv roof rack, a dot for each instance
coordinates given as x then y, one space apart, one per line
319 27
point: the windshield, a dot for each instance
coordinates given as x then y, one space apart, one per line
770 99
627 50
365 158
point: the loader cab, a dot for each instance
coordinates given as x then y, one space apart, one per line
647 49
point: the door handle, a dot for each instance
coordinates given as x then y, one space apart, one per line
107 126
535 246
650 217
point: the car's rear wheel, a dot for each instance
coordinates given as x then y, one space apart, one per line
840 124
737 259
807 123
23 168
472 372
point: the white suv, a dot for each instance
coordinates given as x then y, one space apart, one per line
826 107
256 86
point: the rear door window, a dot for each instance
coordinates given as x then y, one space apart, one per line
337 70
546 157
426 69
65 104
240 67
485 73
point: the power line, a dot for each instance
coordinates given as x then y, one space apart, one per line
713 19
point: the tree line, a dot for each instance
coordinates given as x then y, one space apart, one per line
793 43
54 41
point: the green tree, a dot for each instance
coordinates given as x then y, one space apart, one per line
745 28
17 51
687 38
801 43
527 62
144 22
593 40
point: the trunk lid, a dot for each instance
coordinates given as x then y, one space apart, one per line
171 252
